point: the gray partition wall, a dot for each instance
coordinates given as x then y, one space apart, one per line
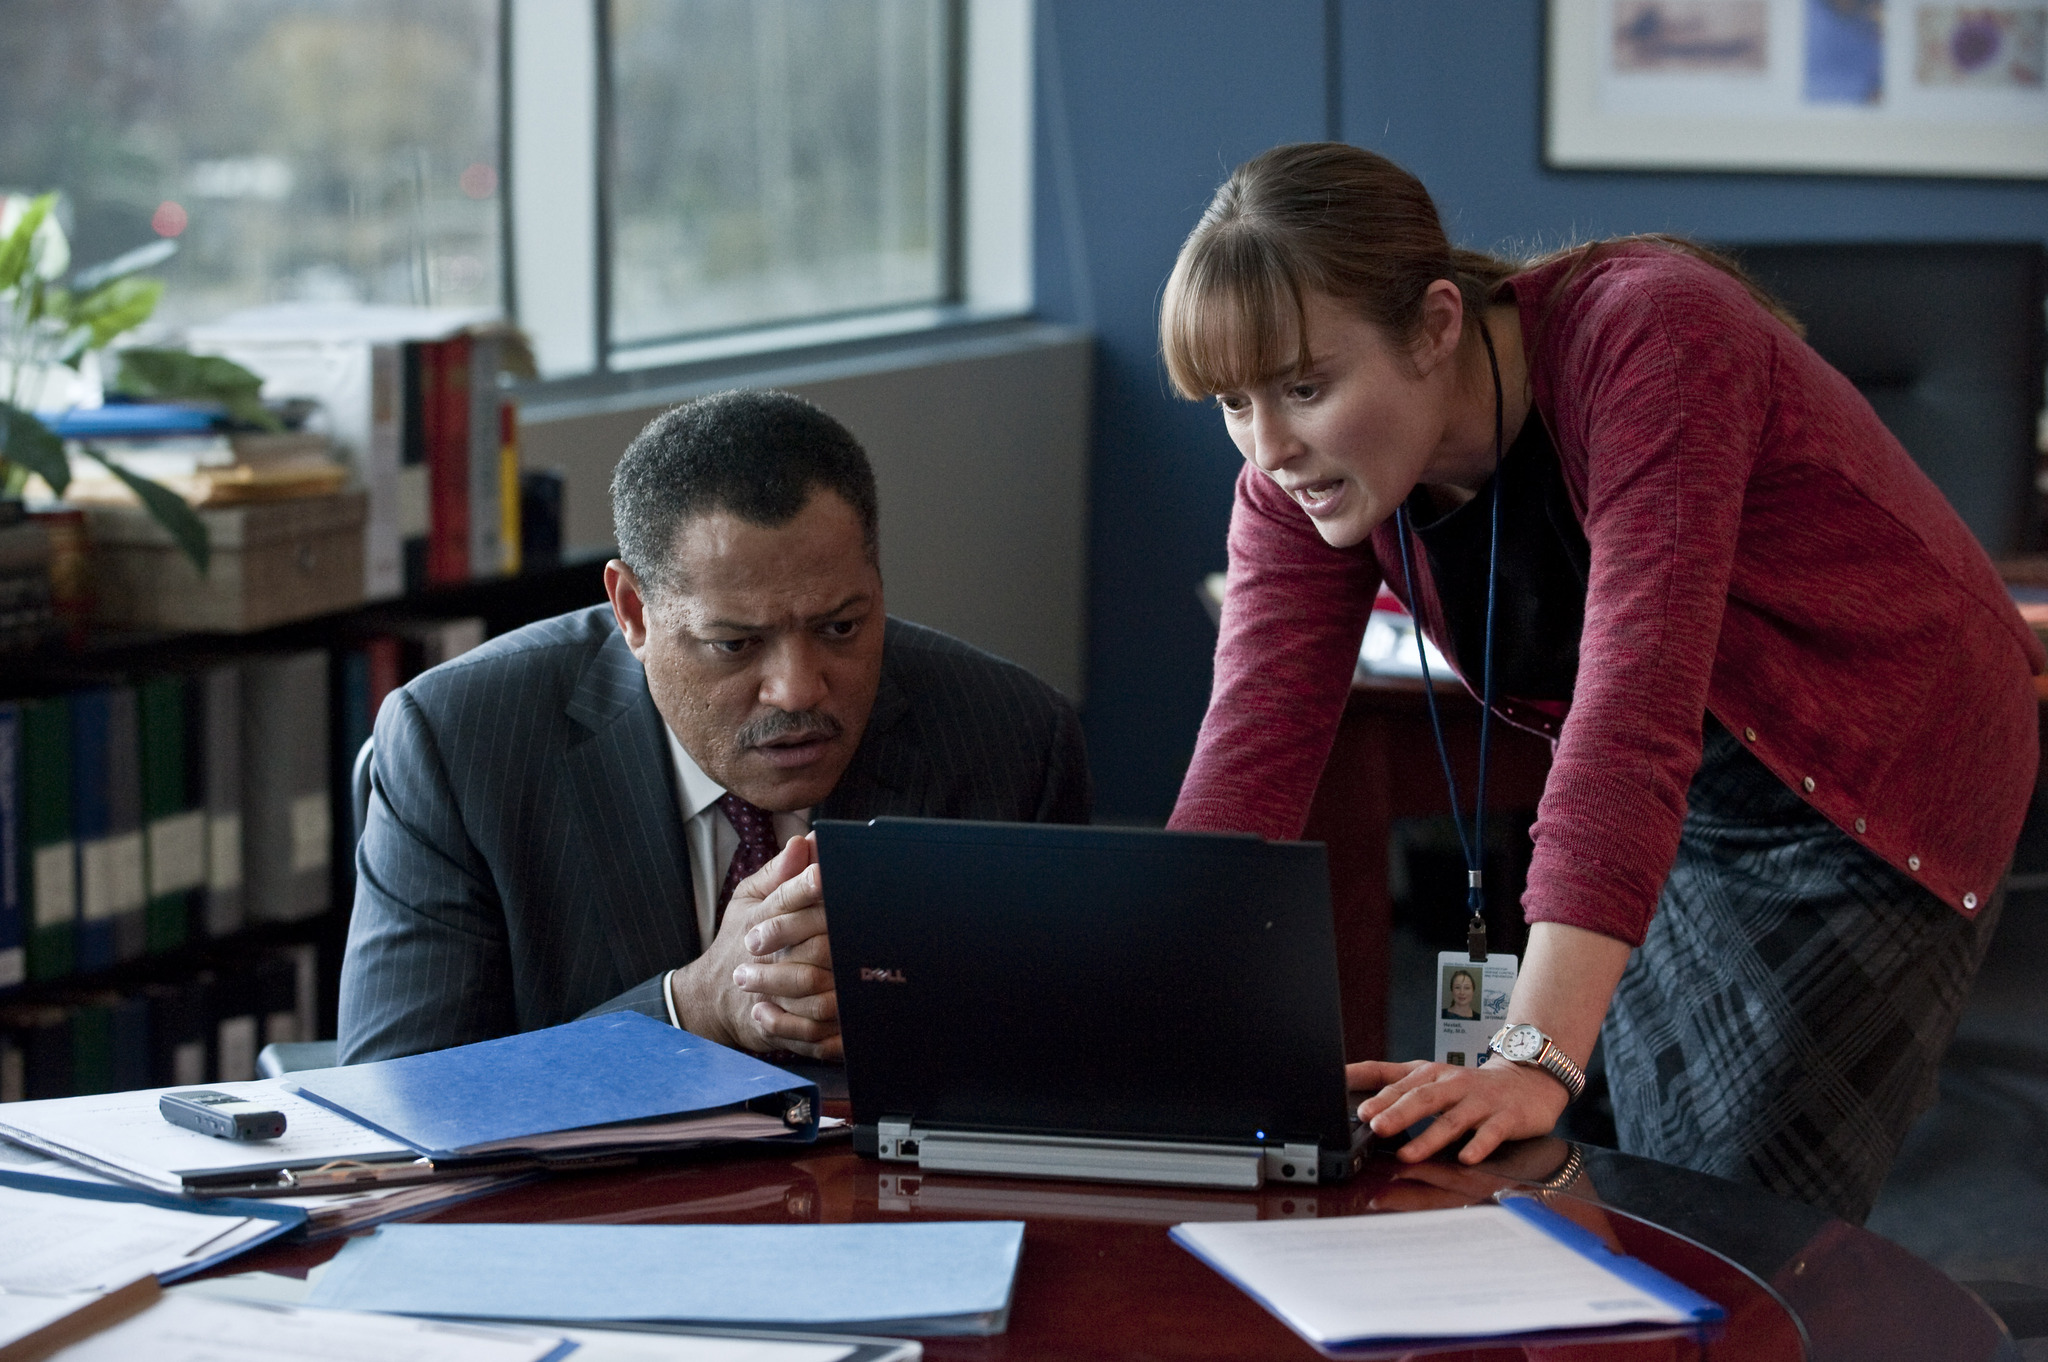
980 447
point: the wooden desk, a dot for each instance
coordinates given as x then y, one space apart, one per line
1100 1279
1384 766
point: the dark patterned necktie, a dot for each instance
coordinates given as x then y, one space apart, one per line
756 829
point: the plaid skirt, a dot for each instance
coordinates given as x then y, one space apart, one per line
1784 1021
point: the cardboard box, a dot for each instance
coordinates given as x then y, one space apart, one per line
273 562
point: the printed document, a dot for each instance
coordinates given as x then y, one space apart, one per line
194 1329
50 1242
123 1133
1356 1279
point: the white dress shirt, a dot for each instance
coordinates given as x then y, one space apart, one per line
712 841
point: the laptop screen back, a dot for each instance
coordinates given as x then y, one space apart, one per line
1086 981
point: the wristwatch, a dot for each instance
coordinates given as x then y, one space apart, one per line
1522 1043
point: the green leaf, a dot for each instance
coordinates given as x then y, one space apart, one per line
14 252
169 510
113 308
26 441
176 374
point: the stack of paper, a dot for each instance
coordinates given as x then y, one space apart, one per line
35 1324
123 1135
326 1213
930 1278
1473 1272
612 1343
96 1239
195 1329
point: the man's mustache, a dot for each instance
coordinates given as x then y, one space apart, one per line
778 724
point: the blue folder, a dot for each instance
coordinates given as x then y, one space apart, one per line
130 420
935 1277
618 1078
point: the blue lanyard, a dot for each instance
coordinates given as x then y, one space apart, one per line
1474 845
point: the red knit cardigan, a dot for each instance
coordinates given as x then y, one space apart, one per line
1762 548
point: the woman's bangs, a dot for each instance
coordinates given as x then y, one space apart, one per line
1231 319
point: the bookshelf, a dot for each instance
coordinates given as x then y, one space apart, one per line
122 1022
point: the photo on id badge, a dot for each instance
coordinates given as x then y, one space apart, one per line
1471 1001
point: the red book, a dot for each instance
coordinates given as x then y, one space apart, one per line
444 411
382 653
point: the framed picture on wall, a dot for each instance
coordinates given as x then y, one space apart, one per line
1886 87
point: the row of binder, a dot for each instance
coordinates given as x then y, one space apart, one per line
139 814
143 814
207 1028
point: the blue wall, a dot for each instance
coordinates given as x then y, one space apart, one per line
1144 105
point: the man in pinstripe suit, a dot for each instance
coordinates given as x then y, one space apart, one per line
561 820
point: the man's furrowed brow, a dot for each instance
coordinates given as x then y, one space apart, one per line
857 598
754 627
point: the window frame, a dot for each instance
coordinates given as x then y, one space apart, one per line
556 198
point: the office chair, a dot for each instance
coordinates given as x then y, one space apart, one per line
1947 343
359 784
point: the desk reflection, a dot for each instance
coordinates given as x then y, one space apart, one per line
1100 1279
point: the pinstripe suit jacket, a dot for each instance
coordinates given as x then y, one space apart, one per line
524 861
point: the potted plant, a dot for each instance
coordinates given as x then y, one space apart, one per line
46 320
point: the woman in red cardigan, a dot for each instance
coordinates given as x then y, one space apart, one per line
1795 731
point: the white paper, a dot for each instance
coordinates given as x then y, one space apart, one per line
24 1312
1363 1277
326 1212
596 1345
19 1158
53 1242
125 1130
187 1328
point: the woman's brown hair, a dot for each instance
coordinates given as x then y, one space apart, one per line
1330 218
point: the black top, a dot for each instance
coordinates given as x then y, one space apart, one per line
1544 562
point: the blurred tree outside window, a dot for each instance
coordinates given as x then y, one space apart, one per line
776 161
309 150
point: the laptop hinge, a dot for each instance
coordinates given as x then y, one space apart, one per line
1293 1163
1176 1163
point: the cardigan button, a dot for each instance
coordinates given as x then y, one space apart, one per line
1861 826
1808 783
1750 734
1969 900
1912 863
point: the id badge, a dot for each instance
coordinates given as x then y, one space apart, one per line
1471 1004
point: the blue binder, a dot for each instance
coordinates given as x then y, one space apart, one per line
619 1083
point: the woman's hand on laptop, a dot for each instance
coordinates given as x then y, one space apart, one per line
1494 1102
766 982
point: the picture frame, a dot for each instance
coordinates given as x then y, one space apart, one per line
1857 87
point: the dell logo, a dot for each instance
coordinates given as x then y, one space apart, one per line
880 976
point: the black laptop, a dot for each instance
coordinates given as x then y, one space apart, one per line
1121 1004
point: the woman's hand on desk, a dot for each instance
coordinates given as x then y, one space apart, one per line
1496 1102
766 981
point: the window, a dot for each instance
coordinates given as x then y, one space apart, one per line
662 179
774 173
776 160
323 150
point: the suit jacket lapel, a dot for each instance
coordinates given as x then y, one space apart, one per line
628 820
888 771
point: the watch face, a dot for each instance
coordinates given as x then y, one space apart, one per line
1522 1043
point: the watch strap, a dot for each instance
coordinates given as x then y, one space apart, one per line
1551 1059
